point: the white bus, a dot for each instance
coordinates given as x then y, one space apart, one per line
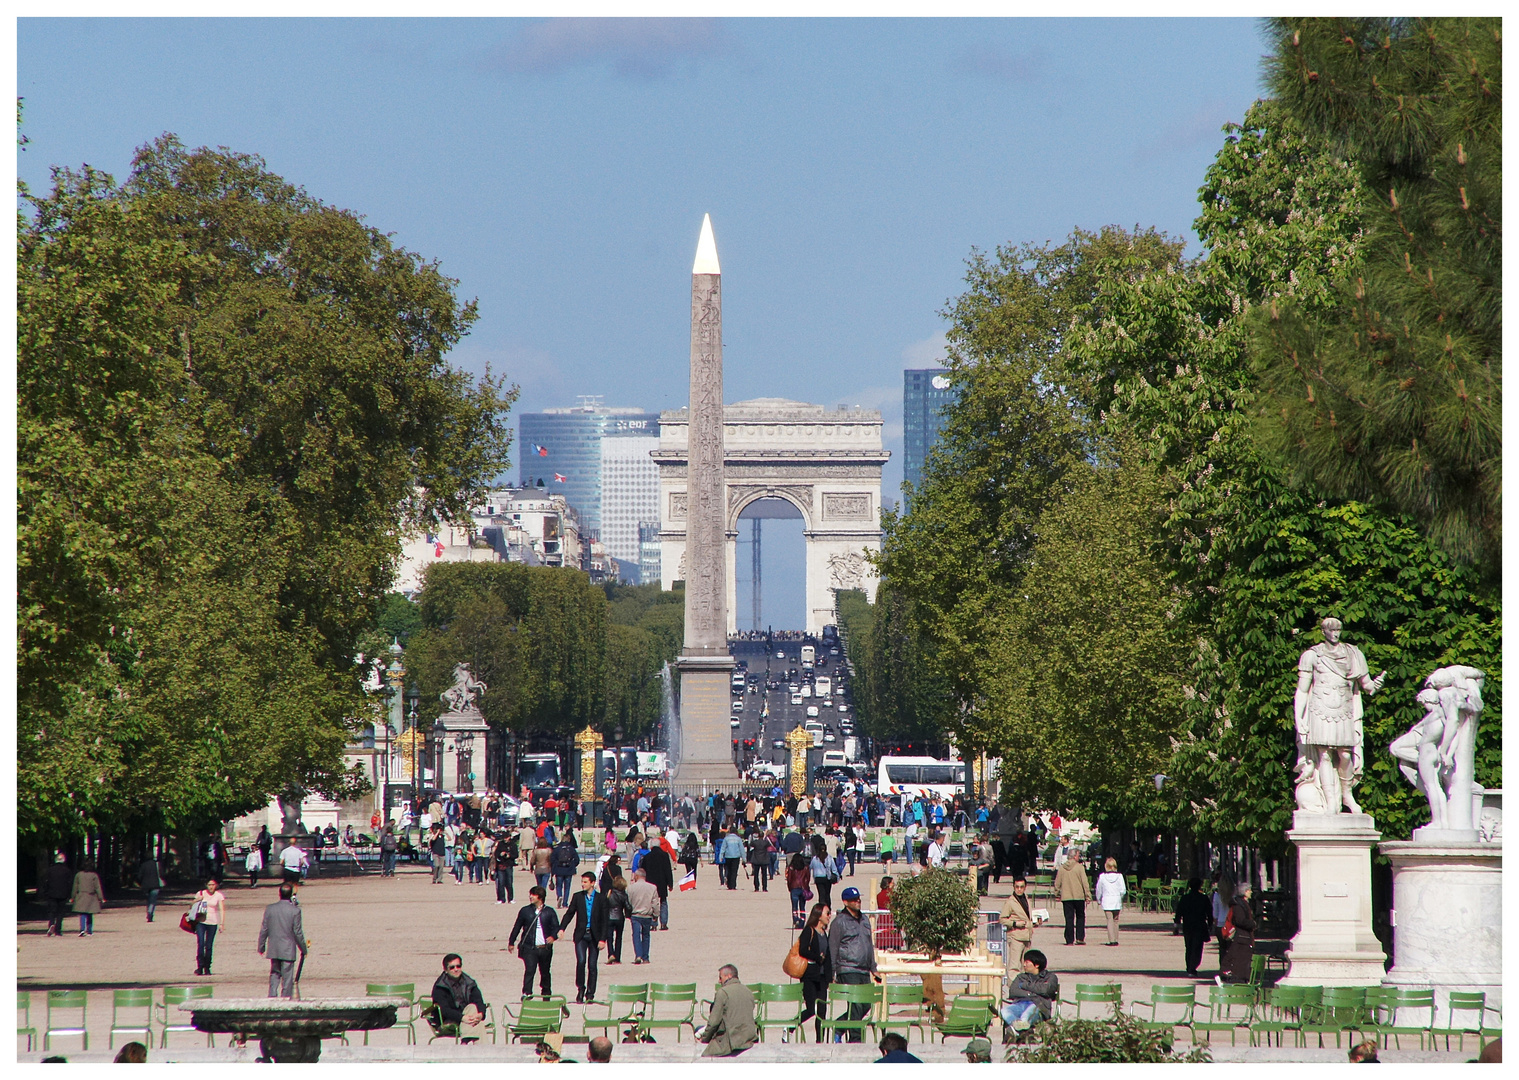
823 686
809 654
921 776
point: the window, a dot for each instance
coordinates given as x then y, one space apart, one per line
902 774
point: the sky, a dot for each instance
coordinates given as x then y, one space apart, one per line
559 169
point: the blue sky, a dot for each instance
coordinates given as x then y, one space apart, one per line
560 168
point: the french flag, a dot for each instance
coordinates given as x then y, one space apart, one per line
541 451
688 882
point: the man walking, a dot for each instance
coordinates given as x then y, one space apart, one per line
437 846
1017 927
388 846
586 921
56 888
151 880
643 898
1194 914
504 860
659 869
538 927
731 853
853 950
281 938
565 861
1074 890
293 862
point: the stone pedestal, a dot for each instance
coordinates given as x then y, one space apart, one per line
706 739
1334 945
1447 915
459 742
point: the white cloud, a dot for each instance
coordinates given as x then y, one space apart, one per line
632 48
926 352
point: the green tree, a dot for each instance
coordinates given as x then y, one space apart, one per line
232 400
1394 394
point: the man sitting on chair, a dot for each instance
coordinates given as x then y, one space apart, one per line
457 1003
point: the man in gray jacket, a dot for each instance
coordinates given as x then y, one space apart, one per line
282 938
851 944
730 1028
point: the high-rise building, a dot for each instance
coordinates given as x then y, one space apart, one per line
925 393
649 568
562 450
629 483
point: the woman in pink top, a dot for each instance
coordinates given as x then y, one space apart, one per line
207 924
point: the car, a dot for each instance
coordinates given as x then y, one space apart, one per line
843 707
806 691
796 699
828 703
828 736
780 656
734 722
833 652
738 704
778 744
812 710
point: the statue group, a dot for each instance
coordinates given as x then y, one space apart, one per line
1437 754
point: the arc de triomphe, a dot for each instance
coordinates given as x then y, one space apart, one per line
825 463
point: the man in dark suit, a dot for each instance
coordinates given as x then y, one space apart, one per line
659 869
538 926
282 938
585 921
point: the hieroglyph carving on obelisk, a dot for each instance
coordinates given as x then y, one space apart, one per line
706 568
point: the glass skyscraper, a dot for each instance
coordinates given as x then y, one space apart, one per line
925 393
563 448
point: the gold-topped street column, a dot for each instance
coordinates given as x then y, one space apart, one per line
798 741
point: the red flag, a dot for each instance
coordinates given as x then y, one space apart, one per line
560 478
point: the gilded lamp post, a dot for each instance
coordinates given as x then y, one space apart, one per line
589 742
798 742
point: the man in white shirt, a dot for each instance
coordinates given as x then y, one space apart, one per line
293 862
936 851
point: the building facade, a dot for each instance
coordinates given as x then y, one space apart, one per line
629 484
564 451
925 393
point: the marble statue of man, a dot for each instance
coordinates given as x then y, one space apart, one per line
1331 676
1421 753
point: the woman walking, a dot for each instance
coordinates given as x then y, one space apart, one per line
690 852
211 919
619 911
823 873
851 846
812 944
87 898
798 877
253 863
1242 941
1109 895
542 864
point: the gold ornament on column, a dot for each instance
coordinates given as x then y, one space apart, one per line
589 742
798 742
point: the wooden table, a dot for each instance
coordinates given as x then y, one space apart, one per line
983 970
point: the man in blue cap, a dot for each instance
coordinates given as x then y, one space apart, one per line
851 944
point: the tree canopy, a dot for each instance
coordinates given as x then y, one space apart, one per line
232 400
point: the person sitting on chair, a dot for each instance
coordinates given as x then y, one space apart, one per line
1031 996
457 1003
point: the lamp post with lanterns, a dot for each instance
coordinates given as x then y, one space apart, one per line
395 681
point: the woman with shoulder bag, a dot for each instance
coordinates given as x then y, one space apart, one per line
619 911
798 877
812 946
209 915
823 874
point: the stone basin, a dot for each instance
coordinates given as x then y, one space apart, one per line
290 1030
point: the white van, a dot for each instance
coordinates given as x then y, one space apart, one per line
833 757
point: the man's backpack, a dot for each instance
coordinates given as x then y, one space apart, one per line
566 859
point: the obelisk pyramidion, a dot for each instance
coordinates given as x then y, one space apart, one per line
705 665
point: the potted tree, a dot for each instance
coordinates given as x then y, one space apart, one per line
936 913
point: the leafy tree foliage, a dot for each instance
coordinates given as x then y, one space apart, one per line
936 911
231 400
645 629
1394 393
897 693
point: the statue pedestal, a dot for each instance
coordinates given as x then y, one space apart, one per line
459 740
1447 916
1334 945
706 738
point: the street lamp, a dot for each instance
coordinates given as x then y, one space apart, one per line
413 695
395 678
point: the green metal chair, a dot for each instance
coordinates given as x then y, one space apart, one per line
783 1007
1106 997
907 1000
131 1001
1281 1012
840 997
1230 1008
1149 894
624 1005
1181 999
534 1018
66 1001
671 1005
24 1024
1468 1002
173 1019
1381 1010
413 1012
1342 1010
969 1016
1257 978
1411 1000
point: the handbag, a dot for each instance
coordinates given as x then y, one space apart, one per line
795 964
185 924
1227 930
806 893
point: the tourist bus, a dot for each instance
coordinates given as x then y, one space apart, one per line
809 654
921 776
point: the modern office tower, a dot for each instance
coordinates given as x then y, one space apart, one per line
649 569
629 483
925 393
560 450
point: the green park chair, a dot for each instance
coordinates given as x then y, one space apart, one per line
624 1006
1180 1000
783 1005
131 1001
903 1008
534 1018
173 1019
1257 978
969 1016
1381 1010
24 1025
407 1019
1468 1011
671 1005
67 1002
1280 1013
1105 999
1230 1008
1413 1014
1341 1010
843 995
1149 894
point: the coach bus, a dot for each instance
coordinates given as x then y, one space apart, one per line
921 776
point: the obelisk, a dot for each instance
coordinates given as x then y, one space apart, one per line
705 665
